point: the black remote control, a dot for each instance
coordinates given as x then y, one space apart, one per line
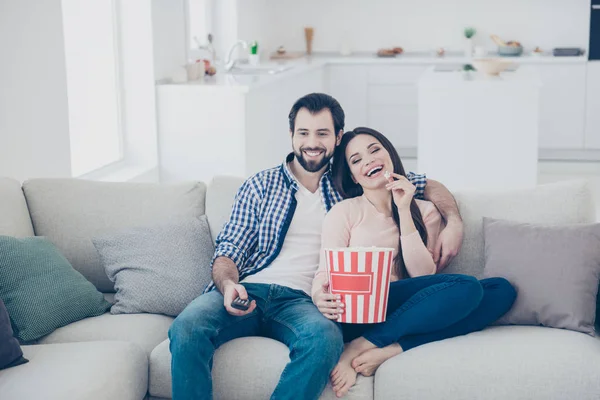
240 304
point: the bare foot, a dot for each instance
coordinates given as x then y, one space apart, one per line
367 362
343 376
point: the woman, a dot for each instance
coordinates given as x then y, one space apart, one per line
379 210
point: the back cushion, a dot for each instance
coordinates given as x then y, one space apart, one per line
219 201
70 212
14 216
566 202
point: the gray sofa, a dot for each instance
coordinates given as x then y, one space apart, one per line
127 356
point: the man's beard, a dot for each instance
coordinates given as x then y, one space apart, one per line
310 165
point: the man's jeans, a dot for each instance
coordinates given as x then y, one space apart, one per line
284 314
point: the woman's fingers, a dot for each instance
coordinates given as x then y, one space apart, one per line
399 185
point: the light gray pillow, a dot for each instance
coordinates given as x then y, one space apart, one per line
158 269
554 268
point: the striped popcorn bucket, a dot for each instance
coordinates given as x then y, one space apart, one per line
362 277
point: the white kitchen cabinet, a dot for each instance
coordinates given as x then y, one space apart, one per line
562 106
592 126
392 102
348 84
397 123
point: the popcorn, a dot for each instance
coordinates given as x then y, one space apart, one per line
387 174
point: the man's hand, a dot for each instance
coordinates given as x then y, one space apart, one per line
328 304
230 292
448 243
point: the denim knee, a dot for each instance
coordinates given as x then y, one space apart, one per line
324 342
472 287
506 290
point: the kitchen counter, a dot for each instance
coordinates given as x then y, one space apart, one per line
246 82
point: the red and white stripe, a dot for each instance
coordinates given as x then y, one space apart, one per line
362 278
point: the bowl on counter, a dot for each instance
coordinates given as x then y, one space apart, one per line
491 66
510 51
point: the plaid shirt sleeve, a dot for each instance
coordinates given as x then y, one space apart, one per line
239 236
420 181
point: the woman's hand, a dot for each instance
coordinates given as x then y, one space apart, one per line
402 191
328 304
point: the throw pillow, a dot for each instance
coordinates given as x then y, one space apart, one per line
158 269
41 290
10 350
554 268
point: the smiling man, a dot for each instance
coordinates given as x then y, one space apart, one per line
268 252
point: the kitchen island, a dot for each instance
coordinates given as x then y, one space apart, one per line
478 131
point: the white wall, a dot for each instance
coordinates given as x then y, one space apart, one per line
34 124
168 27
414 25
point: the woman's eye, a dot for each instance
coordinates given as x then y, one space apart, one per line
355 161
375 150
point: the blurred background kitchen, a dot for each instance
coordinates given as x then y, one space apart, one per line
135 90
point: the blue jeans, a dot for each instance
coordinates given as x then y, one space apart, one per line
283 314
436 307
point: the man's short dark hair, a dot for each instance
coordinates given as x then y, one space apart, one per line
316 102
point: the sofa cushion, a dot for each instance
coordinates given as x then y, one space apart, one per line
70 211
14 215
555 270
41 290
157 269
568 202
508 362
145 330
257 371
75 371
219 201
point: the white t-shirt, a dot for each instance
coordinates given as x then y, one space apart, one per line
296 264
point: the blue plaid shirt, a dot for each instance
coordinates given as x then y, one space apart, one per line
262 212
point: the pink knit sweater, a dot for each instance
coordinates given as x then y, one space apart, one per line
357 223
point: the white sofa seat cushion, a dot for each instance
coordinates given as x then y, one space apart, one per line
258 363
498 363
144 330
75 371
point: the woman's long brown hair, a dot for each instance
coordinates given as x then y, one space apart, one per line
345 185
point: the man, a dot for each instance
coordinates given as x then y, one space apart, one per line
269 252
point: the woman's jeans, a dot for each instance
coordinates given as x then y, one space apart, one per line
436 307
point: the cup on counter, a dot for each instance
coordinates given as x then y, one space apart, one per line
195 71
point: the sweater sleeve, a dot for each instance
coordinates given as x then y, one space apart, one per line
418 258
336 232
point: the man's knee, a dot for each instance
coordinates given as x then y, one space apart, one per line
195 320
324 340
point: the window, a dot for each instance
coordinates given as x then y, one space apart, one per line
199 22
93 87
